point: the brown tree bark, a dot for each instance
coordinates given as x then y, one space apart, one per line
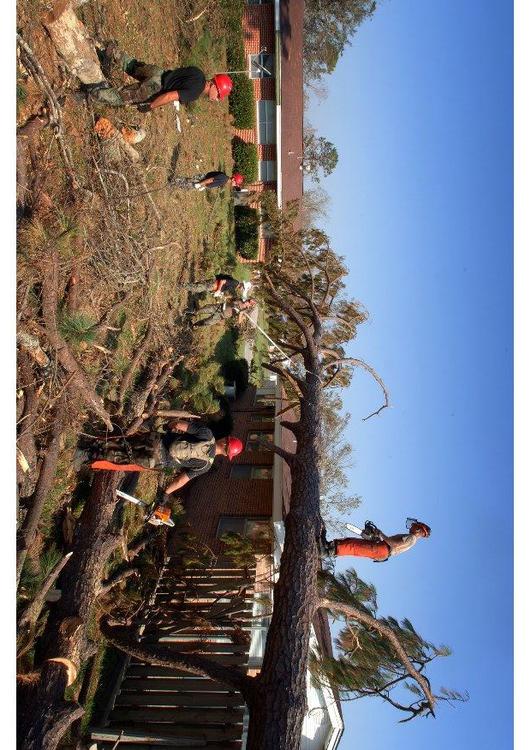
65 635
29 527
275 719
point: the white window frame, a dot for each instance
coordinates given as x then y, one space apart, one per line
266 117
260 59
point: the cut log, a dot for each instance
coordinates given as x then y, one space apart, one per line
73 42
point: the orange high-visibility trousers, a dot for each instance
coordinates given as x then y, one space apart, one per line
362 548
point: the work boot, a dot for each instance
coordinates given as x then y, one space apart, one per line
104 93
327 549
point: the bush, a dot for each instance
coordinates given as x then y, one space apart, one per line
237 371
246 230
245 157
241 102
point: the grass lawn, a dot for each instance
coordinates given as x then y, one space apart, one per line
188 235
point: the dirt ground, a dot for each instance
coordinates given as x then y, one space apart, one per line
117 240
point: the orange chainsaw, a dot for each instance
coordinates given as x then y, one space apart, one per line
159 516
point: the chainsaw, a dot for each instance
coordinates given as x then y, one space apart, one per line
369 531
160 516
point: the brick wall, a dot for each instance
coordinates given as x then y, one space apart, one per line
216 494
259 34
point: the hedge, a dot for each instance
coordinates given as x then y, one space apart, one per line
246 223
241 102
245 157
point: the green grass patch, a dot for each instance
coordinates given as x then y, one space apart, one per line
22 94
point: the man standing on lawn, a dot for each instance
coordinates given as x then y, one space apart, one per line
157 86
188 448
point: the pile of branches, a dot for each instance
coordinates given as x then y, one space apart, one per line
129 227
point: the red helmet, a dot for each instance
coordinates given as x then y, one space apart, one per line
234 447
419 526
237 178
223 83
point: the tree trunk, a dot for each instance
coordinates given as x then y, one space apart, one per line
276 717
73 43
65 636
29 528
43 714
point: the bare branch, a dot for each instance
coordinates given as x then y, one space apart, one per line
29 527
128 376
117 578
353 362
286 455
31 613
160 656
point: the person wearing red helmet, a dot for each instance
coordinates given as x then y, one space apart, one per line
207 181
376 545
157 86
188 448
222 312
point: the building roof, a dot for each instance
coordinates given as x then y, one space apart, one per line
290 22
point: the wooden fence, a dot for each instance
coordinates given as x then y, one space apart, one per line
210 610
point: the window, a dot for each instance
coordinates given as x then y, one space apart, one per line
267 121
250 528
262 65
254 440
267 171
247 471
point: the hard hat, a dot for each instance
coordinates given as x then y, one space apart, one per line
420 526
234 447
223 83
237 178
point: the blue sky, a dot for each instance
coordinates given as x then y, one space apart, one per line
420 109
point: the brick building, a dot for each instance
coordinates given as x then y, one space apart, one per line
273 34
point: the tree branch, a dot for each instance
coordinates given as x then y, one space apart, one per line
114 580
291 312
372 622
64 355
31 613
29 527
298 384
164 657
128 376
360 363
288 457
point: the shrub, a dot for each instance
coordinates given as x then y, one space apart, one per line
246 230
245 157
241 102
